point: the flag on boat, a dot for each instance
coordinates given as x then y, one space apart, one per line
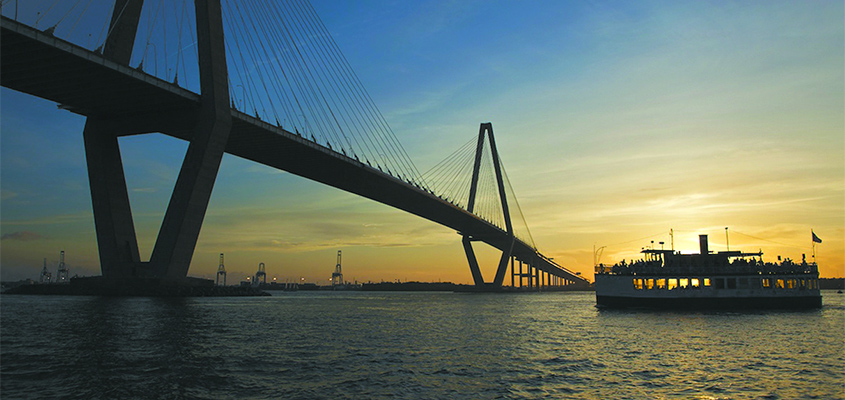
815 238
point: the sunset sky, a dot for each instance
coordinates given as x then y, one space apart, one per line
616 121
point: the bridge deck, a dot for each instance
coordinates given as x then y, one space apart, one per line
85 83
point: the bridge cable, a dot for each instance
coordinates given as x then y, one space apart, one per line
386 131
316 76
152 21
295 42
257 100
326 81
449 175
286 104
73 28
64 16
312 80
104 29
45 13
311 22
259 24
518 207
349 105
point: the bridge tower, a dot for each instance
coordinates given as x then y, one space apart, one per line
486 130
337 275
221 271
262 273
46 276
210 128
62 273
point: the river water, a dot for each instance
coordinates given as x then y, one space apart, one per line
431 345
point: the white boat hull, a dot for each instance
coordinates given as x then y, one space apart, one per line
734 291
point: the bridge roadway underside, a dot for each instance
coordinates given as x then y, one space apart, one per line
133 102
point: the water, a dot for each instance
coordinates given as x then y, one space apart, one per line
363 345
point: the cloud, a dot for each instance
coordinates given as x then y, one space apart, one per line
21 235
55 219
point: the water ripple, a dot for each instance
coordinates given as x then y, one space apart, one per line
411 346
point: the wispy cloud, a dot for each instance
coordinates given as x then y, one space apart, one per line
25 236
53 219
7 194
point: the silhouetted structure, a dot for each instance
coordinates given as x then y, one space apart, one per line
261 274
62 274
221 271
337 275
46 276
119 100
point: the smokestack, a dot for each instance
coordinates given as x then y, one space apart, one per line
702 243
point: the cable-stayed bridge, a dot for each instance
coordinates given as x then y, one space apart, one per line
261 80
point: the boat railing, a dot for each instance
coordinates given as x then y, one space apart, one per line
758 268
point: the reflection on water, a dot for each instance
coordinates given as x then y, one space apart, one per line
410 345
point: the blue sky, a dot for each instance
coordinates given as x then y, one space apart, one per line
616 121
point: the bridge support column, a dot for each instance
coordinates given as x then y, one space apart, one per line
512 272
177 238
529 274
116 240
486 130
532 276
117 243
477 277
180 229
542 283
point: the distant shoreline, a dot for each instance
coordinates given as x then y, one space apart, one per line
824 284
831 283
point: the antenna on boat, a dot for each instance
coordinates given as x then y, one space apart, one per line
597 254
727 242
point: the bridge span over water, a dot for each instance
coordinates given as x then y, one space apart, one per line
119 100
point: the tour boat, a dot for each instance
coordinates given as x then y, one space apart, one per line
720 280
